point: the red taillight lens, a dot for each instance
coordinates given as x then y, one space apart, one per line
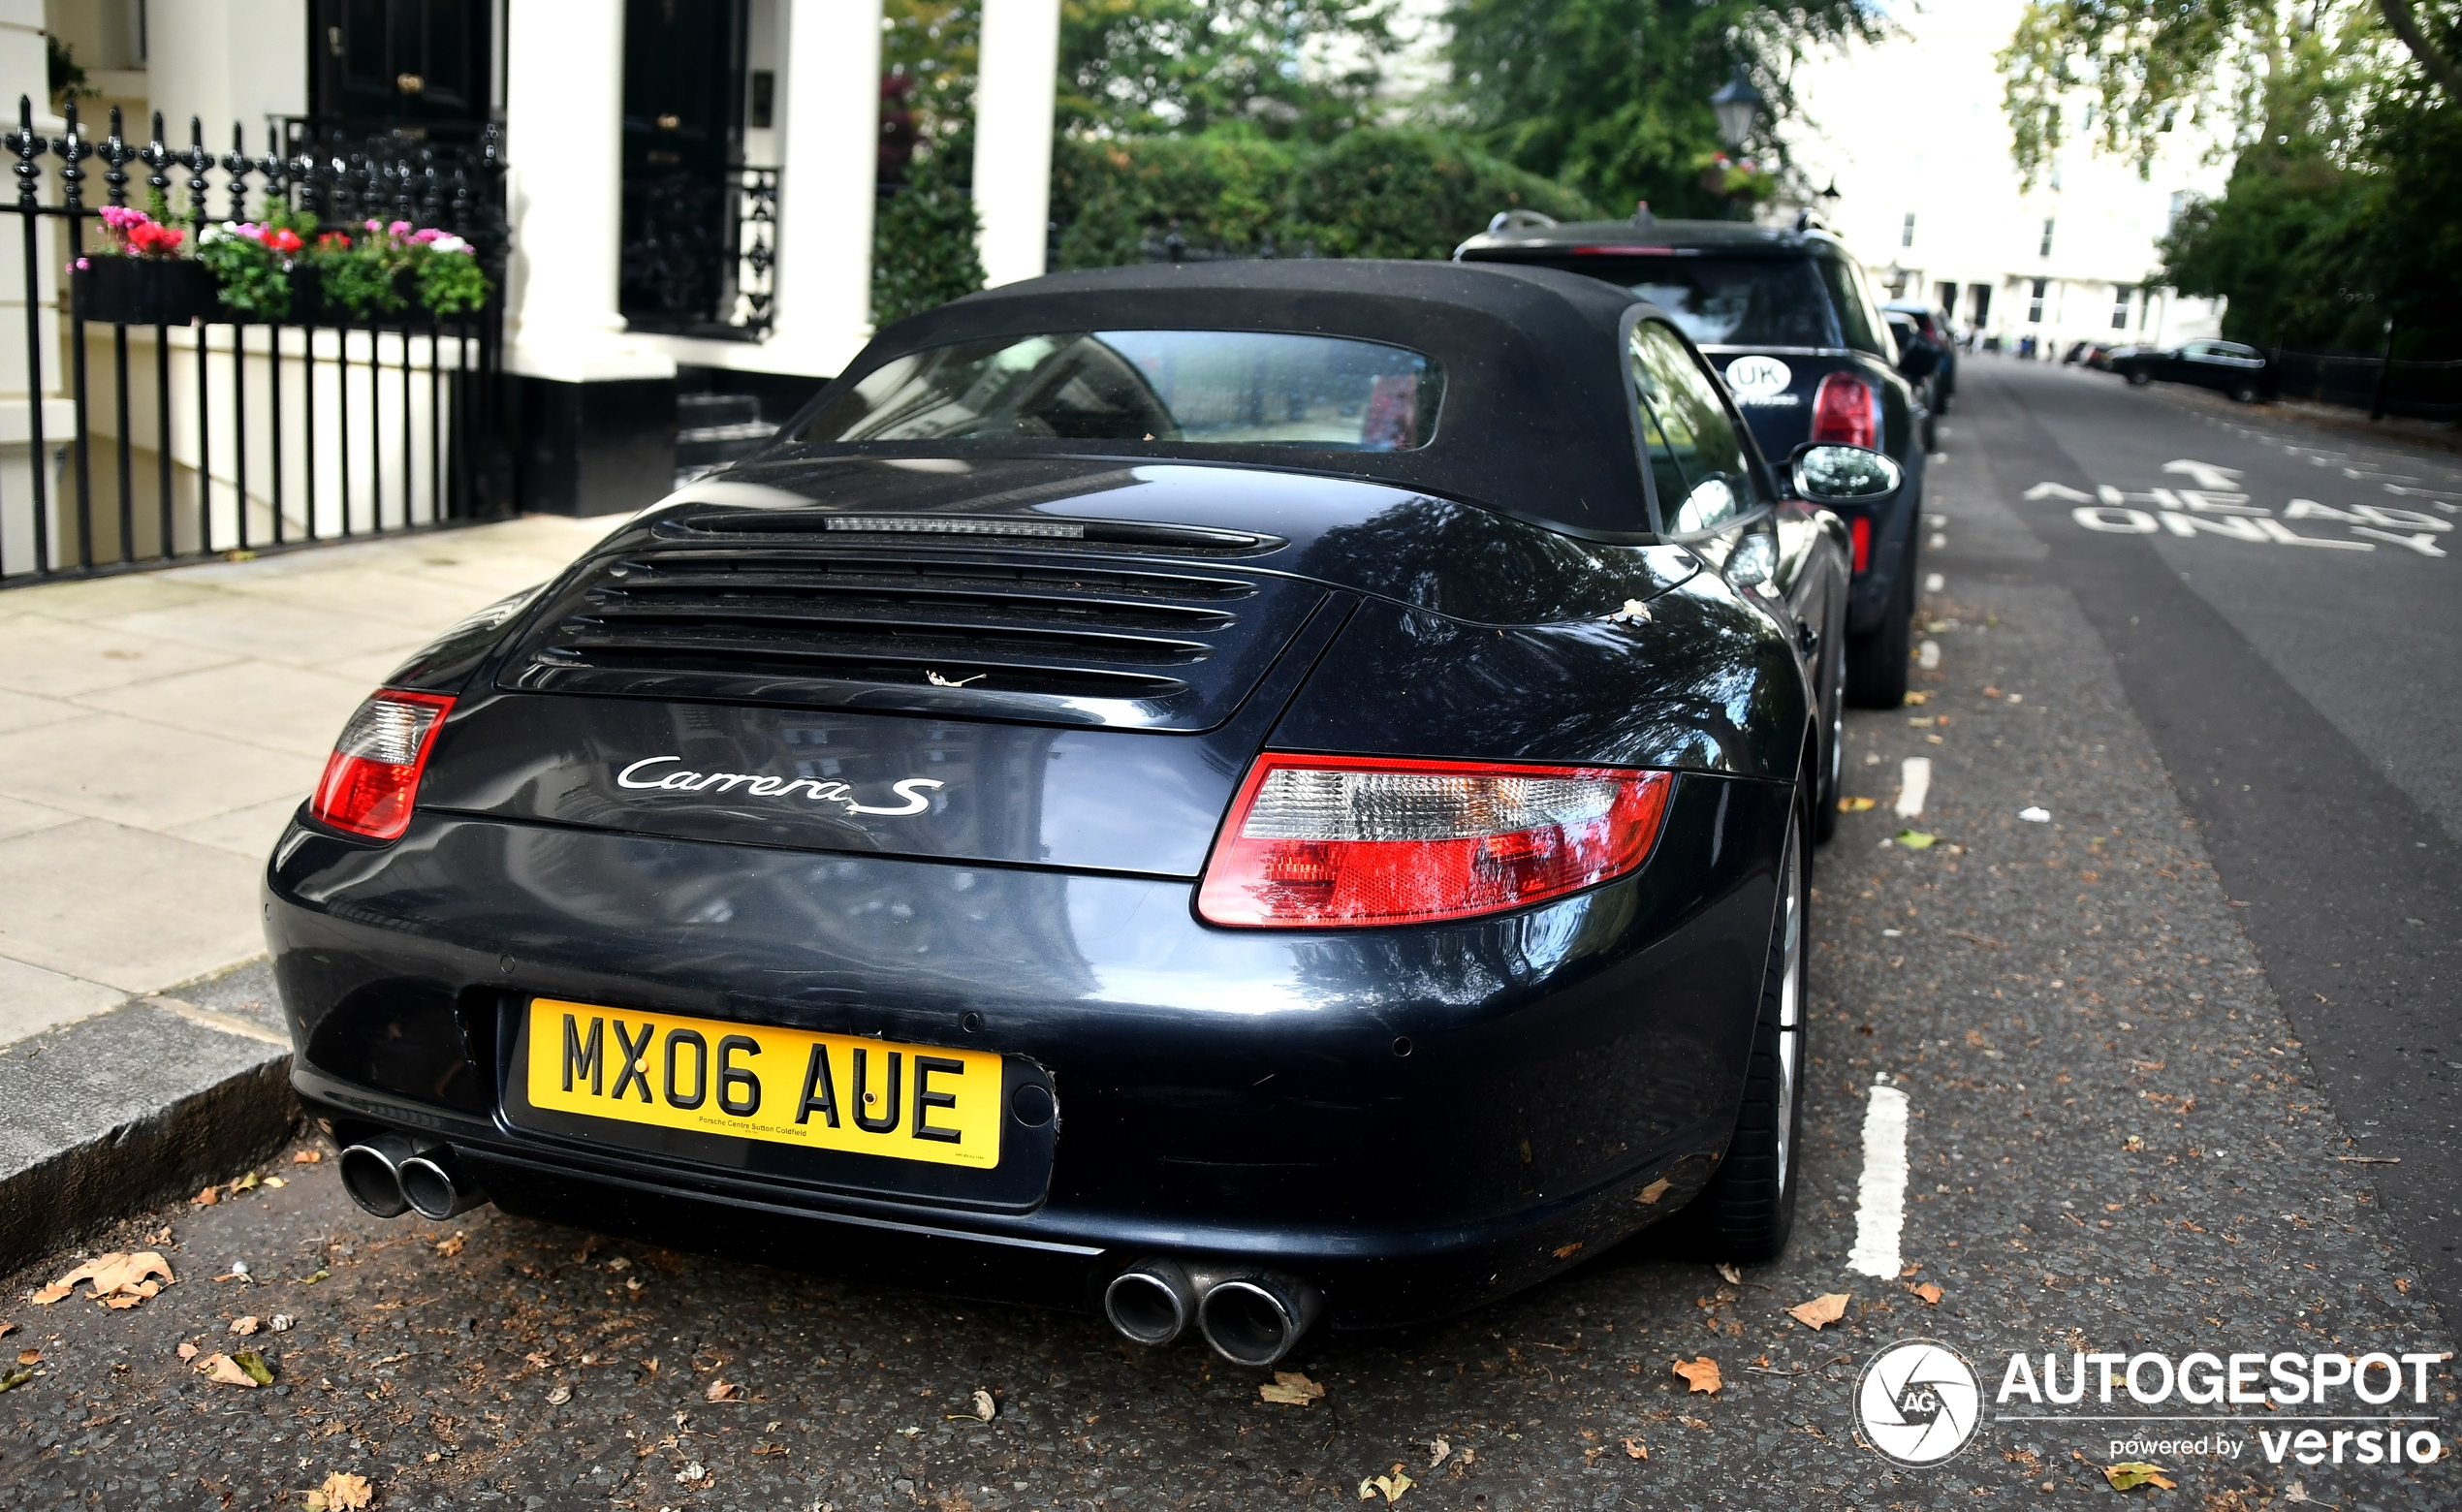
373 778
1338 841
1846 412
1859 535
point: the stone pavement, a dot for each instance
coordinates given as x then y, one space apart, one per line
157 729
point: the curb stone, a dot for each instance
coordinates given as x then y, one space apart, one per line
111 1114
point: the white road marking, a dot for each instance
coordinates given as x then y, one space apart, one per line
2288 537
2424 543
2207 475
1934 583
1880 1196
2058 491
1915 785
1939 542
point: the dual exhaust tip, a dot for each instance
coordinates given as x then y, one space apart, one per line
1250 1317
388 1175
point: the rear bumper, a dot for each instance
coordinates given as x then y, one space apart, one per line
1416 1119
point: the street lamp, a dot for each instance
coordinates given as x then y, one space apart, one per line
1737 106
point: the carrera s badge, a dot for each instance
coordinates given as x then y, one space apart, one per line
913 790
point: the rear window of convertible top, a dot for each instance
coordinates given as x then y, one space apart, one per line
1209 388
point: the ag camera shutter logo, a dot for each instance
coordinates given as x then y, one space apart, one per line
1753 377
1918 1403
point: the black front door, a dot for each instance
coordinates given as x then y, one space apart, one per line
414 63
683 114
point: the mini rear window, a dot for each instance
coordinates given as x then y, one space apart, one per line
1753 302
1204 387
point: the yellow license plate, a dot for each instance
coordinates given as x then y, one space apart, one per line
790 1086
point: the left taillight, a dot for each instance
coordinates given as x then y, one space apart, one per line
1332 841
373 778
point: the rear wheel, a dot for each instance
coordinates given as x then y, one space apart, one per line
1748 1208
2244 394
1877 663
2138 377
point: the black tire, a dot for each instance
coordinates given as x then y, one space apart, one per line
2138 377
2244 394
1877 663
1748 1208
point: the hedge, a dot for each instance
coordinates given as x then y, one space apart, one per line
1372 191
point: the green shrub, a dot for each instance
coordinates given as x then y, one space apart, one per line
924 245
1372 191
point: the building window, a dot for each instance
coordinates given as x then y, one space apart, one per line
1978 304
1946 294
2046 249
1906 234
2120 294
2035 304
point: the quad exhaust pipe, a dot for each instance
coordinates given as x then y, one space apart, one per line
389 1175
1252 1317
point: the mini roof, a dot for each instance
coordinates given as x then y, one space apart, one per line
1745 237
1535 422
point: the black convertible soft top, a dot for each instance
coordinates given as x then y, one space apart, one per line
1535 421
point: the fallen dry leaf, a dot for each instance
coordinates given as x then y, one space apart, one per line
1822 1312
306 1156
15 1379
1654 1190
1857 805
1929 1292
1391 1487
223 1370
248 1325
561 1396
277 1183
2130 1475
208 1198
1568 1252
1634 1449
48 1295
1439 1450
1702 1373
6 1328
29 1357
245 1183
1918 698
187 1350
723 1390
1291 1389
451 1247
342 1492
1728 1274
119 1281
985 1408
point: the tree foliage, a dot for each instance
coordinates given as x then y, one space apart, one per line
1612 96
1306 68
924 243
1371 192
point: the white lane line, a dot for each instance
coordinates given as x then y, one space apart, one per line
1881 1198
1915 785
1934 583
1928 655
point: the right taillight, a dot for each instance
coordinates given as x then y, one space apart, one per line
1846 412
1859 533
371 779
1343 841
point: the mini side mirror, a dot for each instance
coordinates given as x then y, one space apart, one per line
1843 475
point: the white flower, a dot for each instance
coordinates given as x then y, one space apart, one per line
448 245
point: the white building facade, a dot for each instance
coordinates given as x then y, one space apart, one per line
753 125
1911 135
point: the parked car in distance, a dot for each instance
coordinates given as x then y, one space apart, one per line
2229 366
1919 359
1789 321
1934 329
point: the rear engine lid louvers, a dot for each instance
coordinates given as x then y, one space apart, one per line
953 631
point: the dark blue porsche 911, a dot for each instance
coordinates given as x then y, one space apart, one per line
1226 795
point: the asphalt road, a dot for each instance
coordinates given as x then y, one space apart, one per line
2115 1141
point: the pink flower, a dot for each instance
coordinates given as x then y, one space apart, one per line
119 217
426 236
398 229
82 264
373 224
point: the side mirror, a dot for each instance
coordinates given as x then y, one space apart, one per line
1843 475
1918 358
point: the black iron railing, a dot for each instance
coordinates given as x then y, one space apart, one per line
700 255
2420 391
228 433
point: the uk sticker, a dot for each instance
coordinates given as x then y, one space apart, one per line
1753 377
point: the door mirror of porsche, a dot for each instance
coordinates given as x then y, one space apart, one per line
1845 475
1712 503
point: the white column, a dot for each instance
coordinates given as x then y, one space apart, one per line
563 115
1015 81
223 62
829 102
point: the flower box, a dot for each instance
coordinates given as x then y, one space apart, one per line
143 290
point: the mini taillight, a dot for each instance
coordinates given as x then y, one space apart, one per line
373 778
1846 412
1859 534
1336 841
